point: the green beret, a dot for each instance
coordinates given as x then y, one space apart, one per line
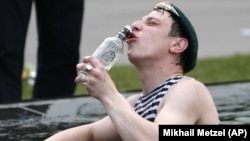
191 51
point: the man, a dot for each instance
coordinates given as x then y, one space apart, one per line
163 47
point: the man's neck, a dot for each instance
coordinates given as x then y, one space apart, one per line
153 76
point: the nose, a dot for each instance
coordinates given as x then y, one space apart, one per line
136 26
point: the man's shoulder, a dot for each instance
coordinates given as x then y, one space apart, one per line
190 86
190 82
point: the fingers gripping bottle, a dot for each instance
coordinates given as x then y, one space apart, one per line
112 47
110 50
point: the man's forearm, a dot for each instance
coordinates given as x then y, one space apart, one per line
129 124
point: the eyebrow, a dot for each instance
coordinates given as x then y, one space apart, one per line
152 18
148 19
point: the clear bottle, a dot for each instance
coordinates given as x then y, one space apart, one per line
112 48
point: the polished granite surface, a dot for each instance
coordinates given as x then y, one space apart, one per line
36 120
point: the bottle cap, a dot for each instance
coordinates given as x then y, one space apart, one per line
125 32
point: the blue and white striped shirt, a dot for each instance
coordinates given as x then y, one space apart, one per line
147 105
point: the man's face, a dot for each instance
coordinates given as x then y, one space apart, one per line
150 38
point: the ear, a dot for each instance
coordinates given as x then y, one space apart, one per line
179 45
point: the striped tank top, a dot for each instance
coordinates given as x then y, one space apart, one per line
146 106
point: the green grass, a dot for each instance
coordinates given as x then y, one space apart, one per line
223 69
207 70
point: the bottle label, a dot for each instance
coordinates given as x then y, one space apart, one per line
108 56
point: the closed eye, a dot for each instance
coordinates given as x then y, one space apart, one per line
152 21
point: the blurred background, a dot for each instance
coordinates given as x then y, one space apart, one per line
223 26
